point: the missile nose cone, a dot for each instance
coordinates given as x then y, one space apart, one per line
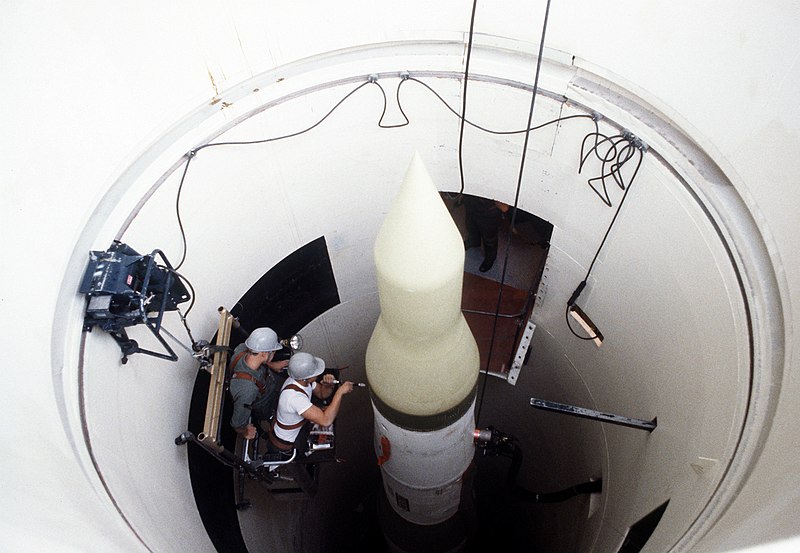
405 243
419 257
422 358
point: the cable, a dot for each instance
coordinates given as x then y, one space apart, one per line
616 214
632 146
514 209
192 153
399 105
372 80
464 95
616 157
569 326
290 135
491 441
490 131
619 157
189 157
191 304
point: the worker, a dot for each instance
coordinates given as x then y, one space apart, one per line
296 410
295 406
256 381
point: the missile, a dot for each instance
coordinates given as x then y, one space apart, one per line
422 361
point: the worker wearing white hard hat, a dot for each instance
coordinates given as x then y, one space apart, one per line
295 406
256 380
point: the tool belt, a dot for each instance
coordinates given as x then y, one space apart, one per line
283 445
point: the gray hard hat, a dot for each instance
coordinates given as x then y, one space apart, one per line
304 365
263 339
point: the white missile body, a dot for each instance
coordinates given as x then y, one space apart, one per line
422 360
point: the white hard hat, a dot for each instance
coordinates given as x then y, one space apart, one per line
304 365
263 339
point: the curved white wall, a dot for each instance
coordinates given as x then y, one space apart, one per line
107 101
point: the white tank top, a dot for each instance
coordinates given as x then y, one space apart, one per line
291 406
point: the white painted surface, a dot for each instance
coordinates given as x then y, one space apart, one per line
423 477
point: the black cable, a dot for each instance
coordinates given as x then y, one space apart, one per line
487 130
612 161
191 289
191 154
520 175
191 304
625 154
290 135
611 153
399 105
569 326
464 95
189 157
616 214
501 444
632 146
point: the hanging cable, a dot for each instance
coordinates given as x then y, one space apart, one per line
464 95
627 189
514 209
612 160
191 305
632 146
191 154
397 99
487 130
189 157
373 80
492 442
290 135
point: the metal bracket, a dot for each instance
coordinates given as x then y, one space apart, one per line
522 353
594 415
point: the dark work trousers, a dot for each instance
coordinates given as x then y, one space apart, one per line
298 470
483 223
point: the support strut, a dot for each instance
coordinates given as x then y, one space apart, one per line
594 415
